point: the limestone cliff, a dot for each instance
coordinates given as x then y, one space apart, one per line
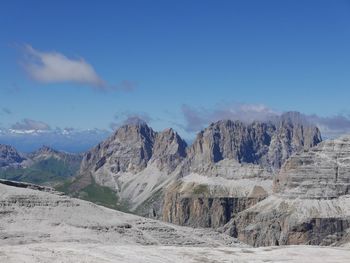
310 204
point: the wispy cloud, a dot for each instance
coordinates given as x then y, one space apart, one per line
198 118
332 126
6 111
28 124
54 67
127 117
125 85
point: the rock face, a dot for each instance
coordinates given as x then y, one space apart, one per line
293 134
322 172
212 199
168 150
129 149
310 204
9 157
267 144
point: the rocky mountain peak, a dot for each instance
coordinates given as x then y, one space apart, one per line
45 150
169 150
133 146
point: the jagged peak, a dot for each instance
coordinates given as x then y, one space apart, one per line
46 149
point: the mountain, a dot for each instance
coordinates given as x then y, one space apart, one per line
44 166
64 229
9 157
310 203
135 162
228 168
268 144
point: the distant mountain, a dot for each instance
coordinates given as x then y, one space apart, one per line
70 140
44 166
9 157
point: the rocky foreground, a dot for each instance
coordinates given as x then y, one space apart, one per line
44 226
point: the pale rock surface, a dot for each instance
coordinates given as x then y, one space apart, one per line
41 226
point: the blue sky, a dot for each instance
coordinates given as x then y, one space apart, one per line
172 62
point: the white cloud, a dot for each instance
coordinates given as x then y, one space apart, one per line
54 67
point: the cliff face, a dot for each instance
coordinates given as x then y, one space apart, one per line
233 163
211 200
310 204
267 144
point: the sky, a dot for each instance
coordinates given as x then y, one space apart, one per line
181 64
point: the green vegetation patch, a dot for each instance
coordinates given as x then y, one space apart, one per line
202 189
47 171
100 195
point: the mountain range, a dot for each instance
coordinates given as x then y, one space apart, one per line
265 183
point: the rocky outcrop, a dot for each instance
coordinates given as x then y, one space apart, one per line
201 211
310 204
211 200
9 157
